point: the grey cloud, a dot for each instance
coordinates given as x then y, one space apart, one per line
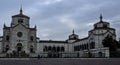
48 17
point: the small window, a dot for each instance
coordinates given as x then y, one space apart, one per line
31 49
31 38
7 48
7 38
92 45
20 20
62 49
45 48
49 48
105 25
58 49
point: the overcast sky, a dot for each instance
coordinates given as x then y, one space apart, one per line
55 19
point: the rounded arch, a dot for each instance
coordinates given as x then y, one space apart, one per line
49 48
19 47
62 49
53 49
58 49
19 44
45 48
6 48
82 47
31 49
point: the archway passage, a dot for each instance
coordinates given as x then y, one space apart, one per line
100 54
19 47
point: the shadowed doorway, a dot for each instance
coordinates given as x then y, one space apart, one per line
19 47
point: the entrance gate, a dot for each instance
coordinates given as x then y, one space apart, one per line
19 47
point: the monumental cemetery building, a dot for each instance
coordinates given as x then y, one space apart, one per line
19 40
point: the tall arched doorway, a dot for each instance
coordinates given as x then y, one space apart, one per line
19 47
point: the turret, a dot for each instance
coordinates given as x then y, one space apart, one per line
101 23
73 37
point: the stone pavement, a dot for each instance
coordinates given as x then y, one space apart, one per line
61 61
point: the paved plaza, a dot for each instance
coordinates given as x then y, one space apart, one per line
61 61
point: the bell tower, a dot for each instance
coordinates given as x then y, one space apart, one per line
20 19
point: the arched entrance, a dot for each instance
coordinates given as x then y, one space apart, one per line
19 47
100 54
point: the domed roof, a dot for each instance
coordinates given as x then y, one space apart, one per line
101 20
21 14
101 23
73 36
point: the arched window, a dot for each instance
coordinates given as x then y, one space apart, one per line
87 46
82 47
105 25
62 49
7 38
45 49
7 48
92 45
19 47
54 49
58 49
49 48
20 20
74 48
31 38
78 47
31 49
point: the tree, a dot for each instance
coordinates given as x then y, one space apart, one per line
118 45
111 43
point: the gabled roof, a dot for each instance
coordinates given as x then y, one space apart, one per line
22 25
19 24
21 15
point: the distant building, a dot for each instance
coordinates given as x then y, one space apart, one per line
19 40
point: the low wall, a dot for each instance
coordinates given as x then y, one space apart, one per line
61 61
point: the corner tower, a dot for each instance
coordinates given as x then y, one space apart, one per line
101 30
